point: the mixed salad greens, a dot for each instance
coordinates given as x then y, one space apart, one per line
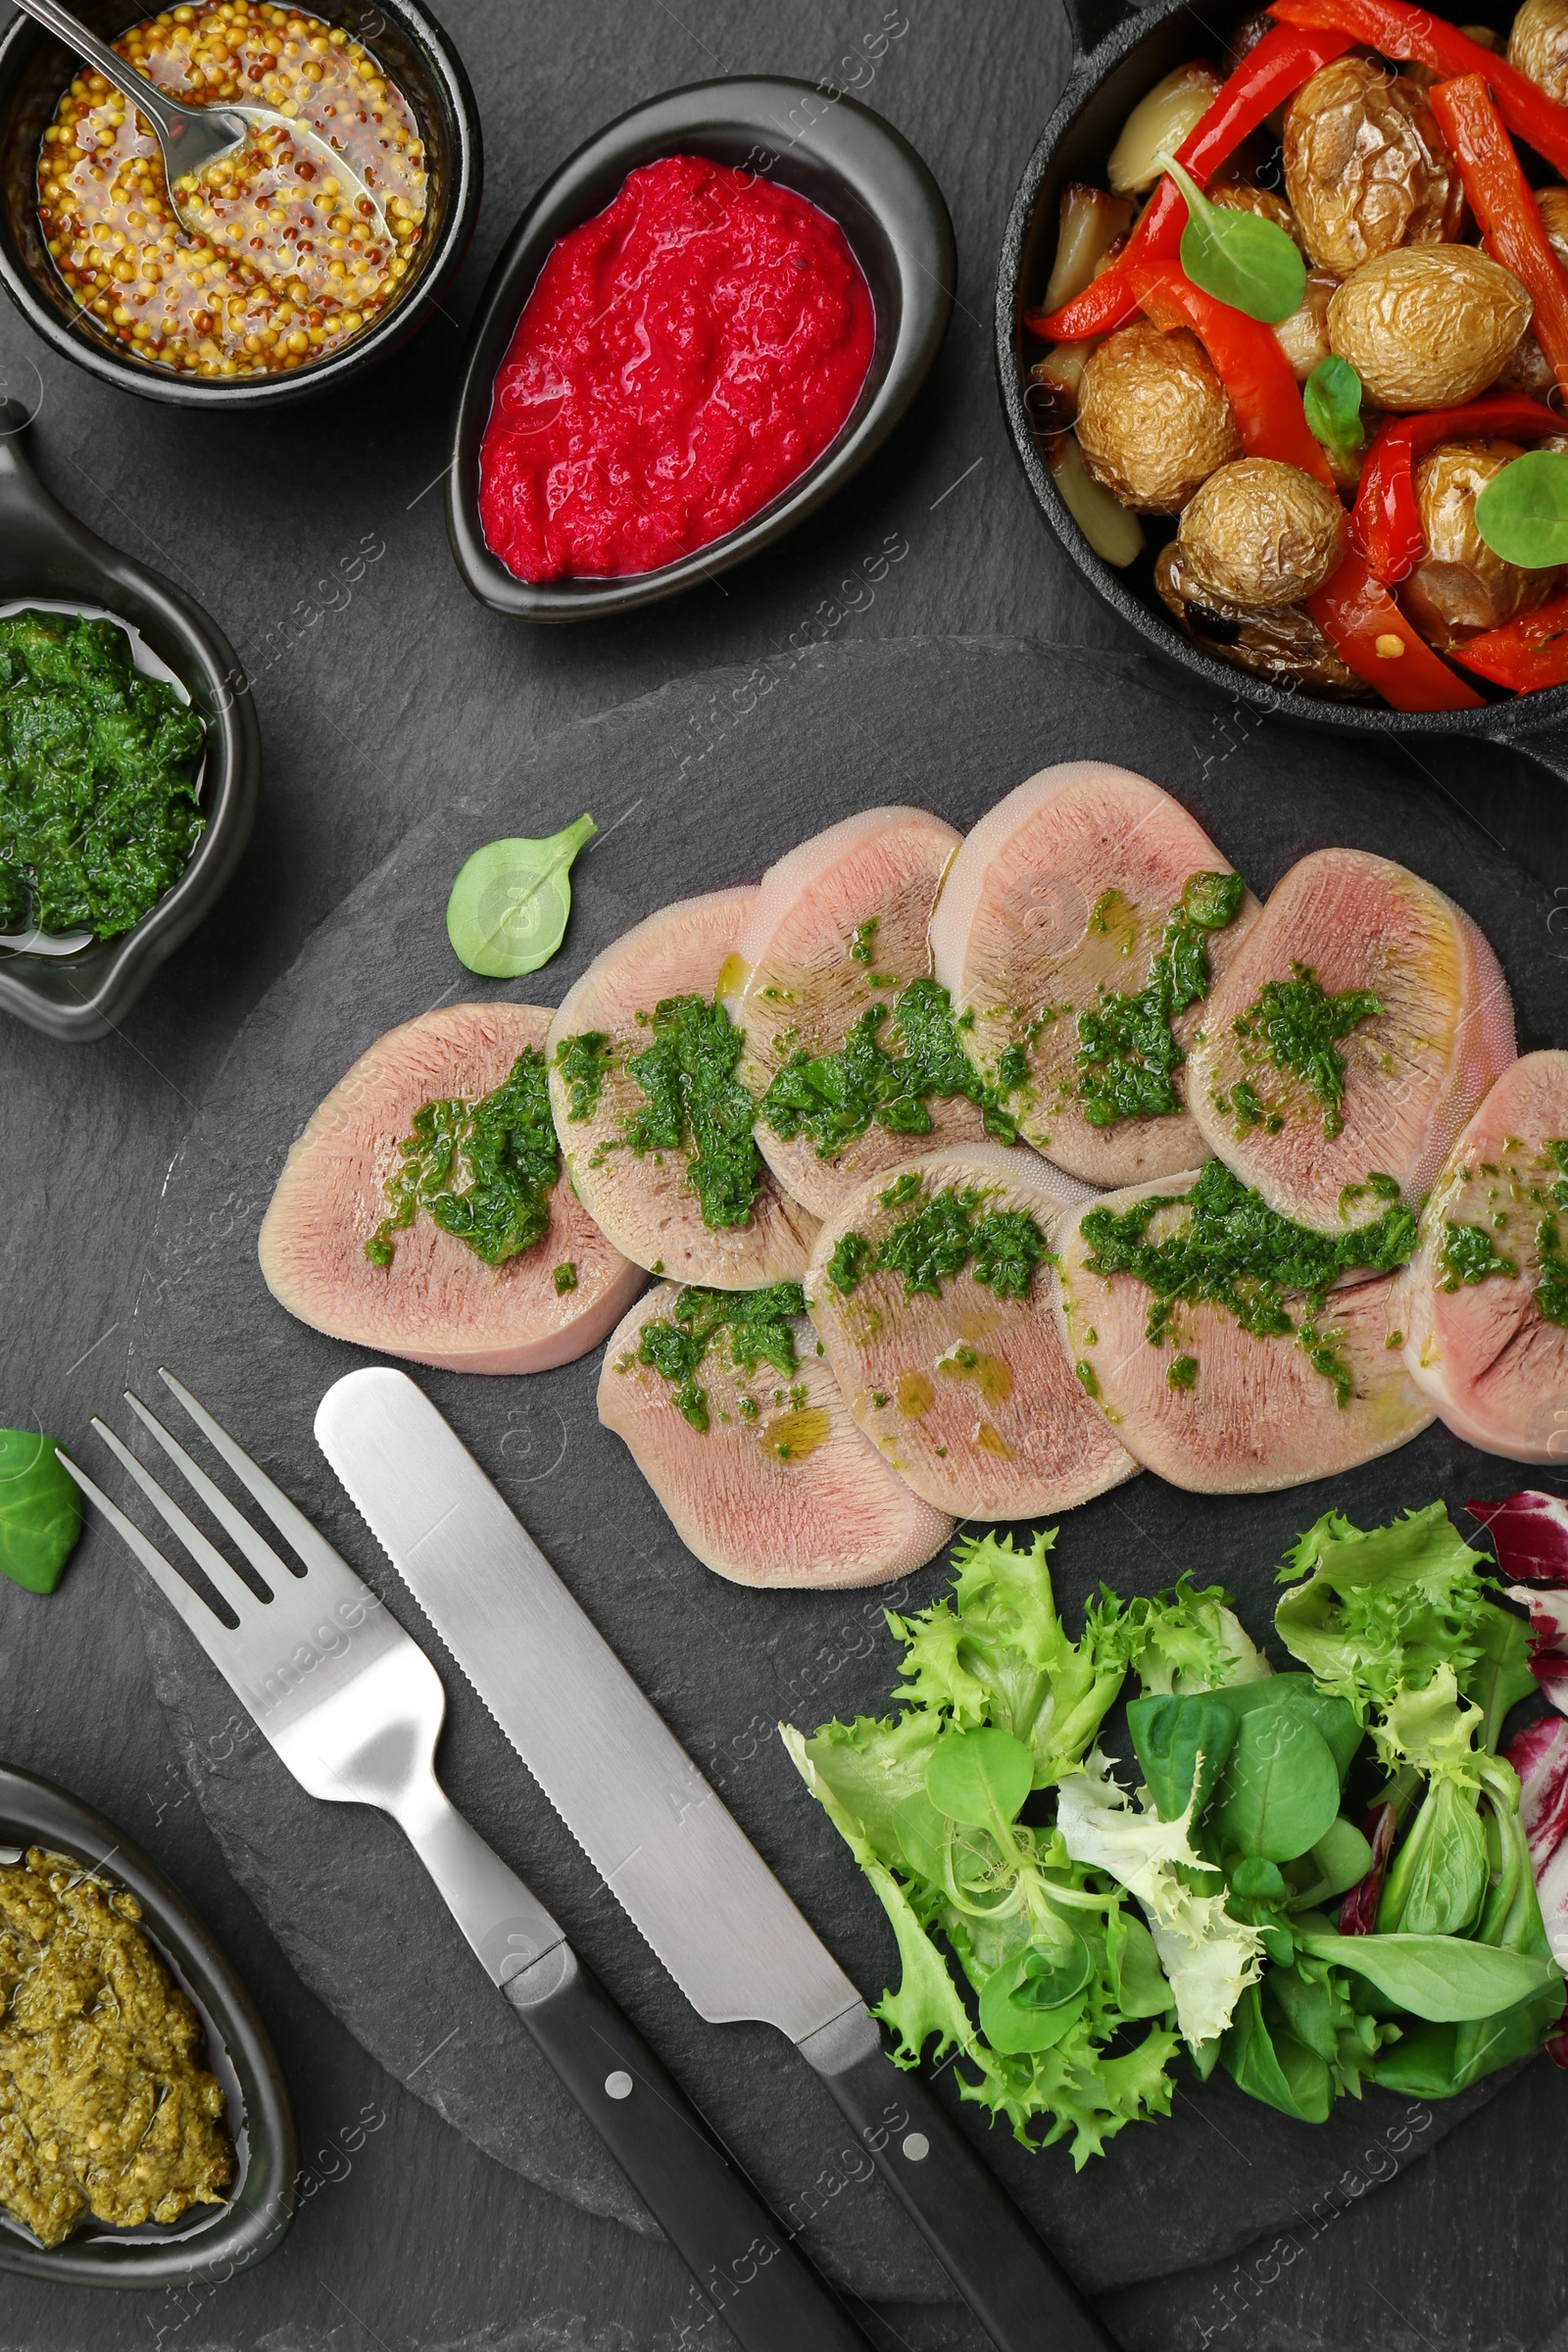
1320 1880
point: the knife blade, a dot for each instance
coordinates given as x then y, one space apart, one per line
668 1850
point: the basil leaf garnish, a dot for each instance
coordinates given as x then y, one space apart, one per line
1238 258
1522 514
1332 399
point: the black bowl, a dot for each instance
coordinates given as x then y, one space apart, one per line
211 2242
47 557
1120 52
843 158
35 66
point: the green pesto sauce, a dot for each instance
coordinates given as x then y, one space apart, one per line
1298 1026
760 1325
583 1061
1127 1052
564 1277
1469 1258
938 1239
834 1097
865 941
1234 1252
98 766
1182 1373
697 1105
482 1170
1552 1278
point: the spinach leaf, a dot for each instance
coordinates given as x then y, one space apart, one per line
1274 2066
979 1777
1031 2002
1341 1860
1334 1717
1237 256
1421 2064
1442 1978
1522 514
40 1511
1280 1791
1170 1737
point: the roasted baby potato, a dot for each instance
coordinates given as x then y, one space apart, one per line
1259 532
1280 642
1538 45
1460 587
1365 167
1428 327
1153 421
1304 336
1157 126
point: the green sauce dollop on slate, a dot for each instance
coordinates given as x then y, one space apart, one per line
482 1170
1298 1026
939 1239
837 1097
1127 1055
695 1104
98 767
759 1324
1232 1252
1469 1258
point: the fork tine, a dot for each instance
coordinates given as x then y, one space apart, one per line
224 1580
259 1553
290 1521
175 1591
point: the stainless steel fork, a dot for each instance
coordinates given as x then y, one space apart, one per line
354 1707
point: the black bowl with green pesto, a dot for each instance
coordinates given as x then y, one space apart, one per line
210 2241
125 800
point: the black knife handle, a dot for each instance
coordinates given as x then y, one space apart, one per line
767 2297
1023 2299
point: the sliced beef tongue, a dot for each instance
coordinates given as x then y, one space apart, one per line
1054 912
436 1302
838 928
1214 1408
1359 1026
962 1384
646 1200
1478 1302
764 1474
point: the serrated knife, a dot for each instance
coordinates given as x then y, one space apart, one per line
672 1855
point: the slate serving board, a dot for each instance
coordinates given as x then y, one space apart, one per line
694 788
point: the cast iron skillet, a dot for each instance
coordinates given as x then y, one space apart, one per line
1120 52
843 158
35 68
210 2242
46 554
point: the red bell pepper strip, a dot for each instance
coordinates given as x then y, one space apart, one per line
1371 636
1247 357
1274 70
1524 654
1398 30
1386 523
1501 201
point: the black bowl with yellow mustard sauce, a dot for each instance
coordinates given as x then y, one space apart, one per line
407 45
211 2242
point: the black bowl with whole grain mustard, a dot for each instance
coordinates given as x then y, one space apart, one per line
838 155
415 53
1121 49
51 562
210 2242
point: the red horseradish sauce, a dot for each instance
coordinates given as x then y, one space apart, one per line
684 356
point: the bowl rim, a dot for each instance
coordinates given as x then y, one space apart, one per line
879 173
34 987
1511 724
401 319
256 2216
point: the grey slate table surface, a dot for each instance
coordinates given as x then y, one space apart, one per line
410 2237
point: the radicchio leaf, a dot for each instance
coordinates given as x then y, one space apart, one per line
1548 1640
1539 1754
1530 1532
1359 1910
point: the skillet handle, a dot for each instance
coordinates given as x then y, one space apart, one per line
1093 21
1548 745
1023 2299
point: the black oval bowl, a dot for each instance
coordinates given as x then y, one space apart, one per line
35 66
847 161
1120 55
211 2242
46 554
